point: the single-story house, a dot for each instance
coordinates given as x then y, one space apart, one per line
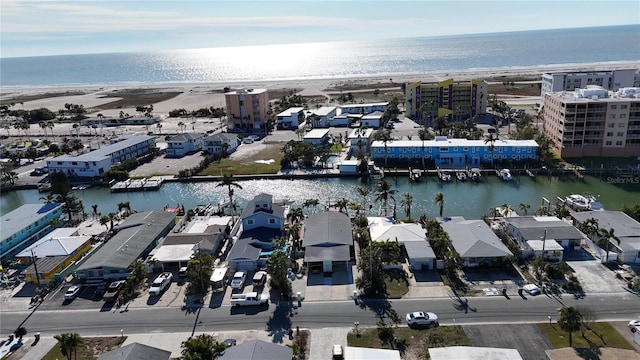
226 142
411 236
525 228
360 353
327 239
136 351
137 235
550 248
360 141
625 228
290 118
257 350
245 253
348 166
261 212
53 253
372 120
321 117
184 144
473 352
317 137
475 242
363 108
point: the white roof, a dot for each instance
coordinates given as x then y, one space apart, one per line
169 253
549 245
316 134
60 242
355 132
324 111
246 91
454 142
472 353
364 105
359 353
290 111
199 224
382 228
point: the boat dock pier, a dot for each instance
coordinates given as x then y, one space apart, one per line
152 183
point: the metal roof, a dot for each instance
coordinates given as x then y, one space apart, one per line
24 216
107 151
257 350
533 227
474 238
136 351
245 249
326 229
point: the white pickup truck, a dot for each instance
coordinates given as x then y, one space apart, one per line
250 298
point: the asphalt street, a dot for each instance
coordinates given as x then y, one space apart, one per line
278 318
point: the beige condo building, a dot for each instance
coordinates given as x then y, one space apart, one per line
247 110
594 122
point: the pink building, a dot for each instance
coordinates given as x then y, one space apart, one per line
247 110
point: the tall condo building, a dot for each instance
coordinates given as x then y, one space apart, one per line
247 110
594 122
458 100
569 81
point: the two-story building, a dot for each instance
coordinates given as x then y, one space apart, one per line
184 144
327 241
322 117
360 141
455 152
317 137
24 226
97 162
220 142
372 120
364 109
290 118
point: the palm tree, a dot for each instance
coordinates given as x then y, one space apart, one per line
494 212
295 215
364 194
69 343
229 182
590 227
524 207
506 209
104 220
491 139
605 240
311 203
384 192
439 200
111 216
542 210
342 205
570 320
203 346
406 203
94 207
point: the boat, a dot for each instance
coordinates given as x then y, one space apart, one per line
505 175
583 202
476 175
461 176
415 174
44 187
179 209
445 176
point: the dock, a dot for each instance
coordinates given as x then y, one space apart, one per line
153 183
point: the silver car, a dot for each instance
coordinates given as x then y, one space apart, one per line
420 318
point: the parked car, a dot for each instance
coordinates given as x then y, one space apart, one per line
248 299
38 171
183 271
531 289
634 325
337 352
238 279
160 284
72 292
259 278
420 318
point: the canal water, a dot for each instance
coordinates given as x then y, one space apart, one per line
467 199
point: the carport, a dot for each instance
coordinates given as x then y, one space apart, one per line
168 255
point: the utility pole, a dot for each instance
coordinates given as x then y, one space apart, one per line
544 241
35 266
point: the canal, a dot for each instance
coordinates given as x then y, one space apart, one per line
467 199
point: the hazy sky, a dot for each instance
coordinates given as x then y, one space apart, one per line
32 28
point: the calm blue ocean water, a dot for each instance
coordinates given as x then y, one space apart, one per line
329 59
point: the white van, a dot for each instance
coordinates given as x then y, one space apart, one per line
219 278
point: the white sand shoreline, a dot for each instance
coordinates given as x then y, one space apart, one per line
206 94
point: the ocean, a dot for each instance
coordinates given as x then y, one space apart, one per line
345 59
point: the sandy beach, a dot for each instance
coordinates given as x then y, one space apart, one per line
198 95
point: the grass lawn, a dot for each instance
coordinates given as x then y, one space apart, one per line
415 342
92 347
247 165
396 283
602 334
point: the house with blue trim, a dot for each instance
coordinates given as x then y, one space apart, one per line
454 152
220 142
24 226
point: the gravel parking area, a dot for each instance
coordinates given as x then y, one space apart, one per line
526 338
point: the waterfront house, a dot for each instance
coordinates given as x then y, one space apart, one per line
453 152
136 236
97 162
257 350
322 117
317 137
327 240
411 236
247 110
261 212
360 141
184 144
364 109
372 121
219 142
52 254
475 242
200 234
626 229
24 226
291 118
526 229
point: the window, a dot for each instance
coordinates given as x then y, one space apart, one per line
612 116
623 116
608 143
623 106
620 125
444 149
611 125
619 143
249 221
610 133
272 221
613 106
620 133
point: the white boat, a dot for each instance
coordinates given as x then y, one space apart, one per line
445 176
505 175
461 176
583 202
476 175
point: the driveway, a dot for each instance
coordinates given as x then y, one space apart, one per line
593 276
526 338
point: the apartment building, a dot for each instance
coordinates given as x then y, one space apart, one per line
97 162
569 81
458 100
594 122
247 110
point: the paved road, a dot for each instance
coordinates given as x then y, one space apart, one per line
278 318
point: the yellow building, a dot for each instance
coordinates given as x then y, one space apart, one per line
458 100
